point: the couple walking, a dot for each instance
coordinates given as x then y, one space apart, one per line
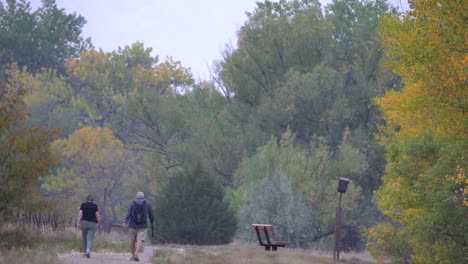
135 219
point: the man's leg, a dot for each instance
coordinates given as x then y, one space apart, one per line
132 247
138 246
140 236
132 241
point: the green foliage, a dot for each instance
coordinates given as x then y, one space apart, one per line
272 201
315 73
52 102
45 38
157 114
312 174
422 197
191 210
235 198
212 140
349 161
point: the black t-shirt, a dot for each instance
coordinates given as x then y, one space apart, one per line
89 211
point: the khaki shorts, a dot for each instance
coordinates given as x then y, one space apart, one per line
137 234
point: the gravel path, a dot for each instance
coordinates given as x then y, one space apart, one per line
75 257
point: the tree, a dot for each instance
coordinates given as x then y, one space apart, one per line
425 186
45 38
52 102
211 140
272 201
191 210
427 49
25 153
312 175
154 111
312 71
92 161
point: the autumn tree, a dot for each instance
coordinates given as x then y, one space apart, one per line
92 161
25 154
425 185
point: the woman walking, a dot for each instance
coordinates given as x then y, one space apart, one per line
88 220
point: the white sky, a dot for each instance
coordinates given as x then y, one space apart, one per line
194 32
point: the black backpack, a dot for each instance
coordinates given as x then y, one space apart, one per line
138 213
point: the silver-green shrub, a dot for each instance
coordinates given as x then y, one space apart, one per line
272 201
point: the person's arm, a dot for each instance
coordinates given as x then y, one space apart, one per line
98 217
127 216
150 214
80 216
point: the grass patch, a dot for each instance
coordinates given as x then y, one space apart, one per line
23 255
17 238
111 242
70 239
251 253
162 257
42 245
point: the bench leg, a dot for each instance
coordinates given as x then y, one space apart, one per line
267 248
274 248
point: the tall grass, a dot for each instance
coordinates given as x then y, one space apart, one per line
42 245
39 255
70 239
250 253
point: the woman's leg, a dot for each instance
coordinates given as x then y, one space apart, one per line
92 227
84 230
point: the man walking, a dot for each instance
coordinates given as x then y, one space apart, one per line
136 219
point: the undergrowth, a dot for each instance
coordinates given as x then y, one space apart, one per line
42 245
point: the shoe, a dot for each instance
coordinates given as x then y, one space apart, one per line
88 253
135 258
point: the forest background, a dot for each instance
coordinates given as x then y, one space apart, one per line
310 94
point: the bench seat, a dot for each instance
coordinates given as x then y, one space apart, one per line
264 234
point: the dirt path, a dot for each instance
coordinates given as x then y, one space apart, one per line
75 257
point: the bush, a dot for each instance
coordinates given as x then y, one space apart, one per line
192 210
271 201
16 238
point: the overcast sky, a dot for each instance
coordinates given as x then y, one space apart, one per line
194 32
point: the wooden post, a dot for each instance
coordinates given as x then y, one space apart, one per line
336 252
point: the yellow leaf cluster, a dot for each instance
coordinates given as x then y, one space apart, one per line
429 53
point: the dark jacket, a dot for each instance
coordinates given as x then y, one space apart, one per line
148 211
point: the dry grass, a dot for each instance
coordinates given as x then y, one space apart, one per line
251 253
28 256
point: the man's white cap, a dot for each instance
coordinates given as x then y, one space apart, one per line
140 195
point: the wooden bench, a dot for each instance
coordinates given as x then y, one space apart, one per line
264 235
